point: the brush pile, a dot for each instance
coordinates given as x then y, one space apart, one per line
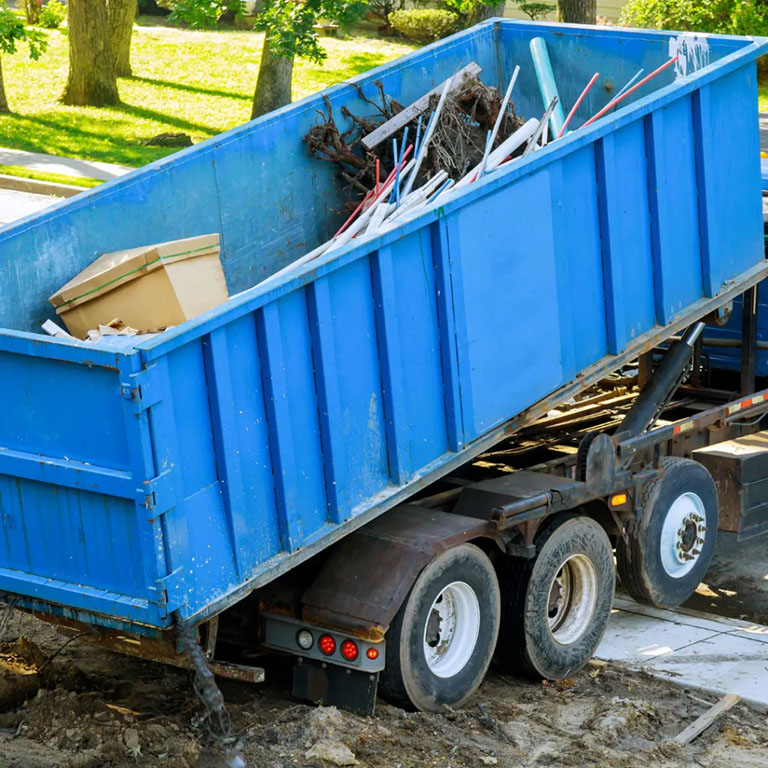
397 161
470 111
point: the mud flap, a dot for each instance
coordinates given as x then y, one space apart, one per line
331 685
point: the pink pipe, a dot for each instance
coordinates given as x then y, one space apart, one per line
624 95
578 102
372 194
355 212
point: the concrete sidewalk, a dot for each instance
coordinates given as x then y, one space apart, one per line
691 649
66 166
15 205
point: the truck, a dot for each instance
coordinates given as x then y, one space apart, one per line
421 451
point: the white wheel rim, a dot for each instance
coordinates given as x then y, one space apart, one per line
572 599
451 629
683 534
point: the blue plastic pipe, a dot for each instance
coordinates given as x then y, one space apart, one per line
547 85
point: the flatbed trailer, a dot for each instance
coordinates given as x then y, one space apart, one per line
260 467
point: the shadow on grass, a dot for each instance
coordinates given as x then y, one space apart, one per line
65 138
188 88
355 64
160 117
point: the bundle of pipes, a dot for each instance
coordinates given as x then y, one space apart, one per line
395 200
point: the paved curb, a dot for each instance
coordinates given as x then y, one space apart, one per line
689 640
36 187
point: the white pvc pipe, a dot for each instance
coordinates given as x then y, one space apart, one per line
419 197
364 218
427 138
503 151
500 117
379 216
542 126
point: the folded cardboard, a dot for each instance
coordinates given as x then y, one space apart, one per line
148 288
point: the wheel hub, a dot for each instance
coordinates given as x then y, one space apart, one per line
572 599
451 629
683 535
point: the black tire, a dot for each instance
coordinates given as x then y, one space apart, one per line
531 641
639 559
408 679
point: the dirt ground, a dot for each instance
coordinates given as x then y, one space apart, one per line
100 709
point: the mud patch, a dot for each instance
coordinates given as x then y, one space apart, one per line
102 710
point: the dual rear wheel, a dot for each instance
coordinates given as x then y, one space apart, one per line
544 617
547 614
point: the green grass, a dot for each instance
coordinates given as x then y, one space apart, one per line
762 94
56 178
196 82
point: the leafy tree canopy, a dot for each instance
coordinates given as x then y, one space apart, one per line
13 31
289 24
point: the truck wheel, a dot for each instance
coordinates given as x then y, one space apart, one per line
667 551
441 642
555 607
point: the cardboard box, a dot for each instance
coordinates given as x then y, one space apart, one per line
148 288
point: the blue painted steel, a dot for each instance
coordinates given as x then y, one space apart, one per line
729 358
181 473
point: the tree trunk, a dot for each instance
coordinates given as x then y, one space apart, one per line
273 88
91 80
482 12
121 15
4 108
577 11
32 11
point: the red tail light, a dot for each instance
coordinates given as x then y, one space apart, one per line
327 644
349 650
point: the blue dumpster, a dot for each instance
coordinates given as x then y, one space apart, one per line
181 473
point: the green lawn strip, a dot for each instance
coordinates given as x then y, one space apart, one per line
189 81
55 178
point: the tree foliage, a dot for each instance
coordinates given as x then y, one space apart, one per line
535 11
737 17
200 14
468 12
288 24
52 14
424 24
13 31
